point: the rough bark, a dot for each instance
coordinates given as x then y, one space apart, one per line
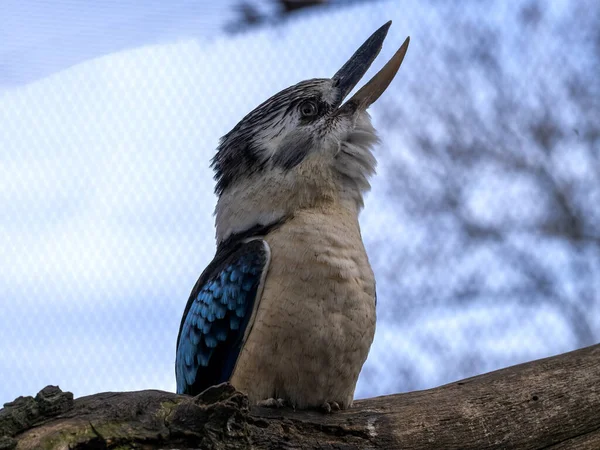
552 403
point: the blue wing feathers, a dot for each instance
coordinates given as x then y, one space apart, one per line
216 317
210 341
247 285
234 323
240 311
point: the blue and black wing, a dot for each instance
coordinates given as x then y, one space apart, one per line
217 316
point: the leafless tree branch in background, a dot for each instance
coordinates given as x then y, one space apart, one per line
514 175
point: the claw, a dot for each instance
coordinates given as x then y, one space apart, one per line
327 407
272 403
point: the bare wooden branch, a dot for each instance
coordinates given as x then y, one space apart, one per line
552 403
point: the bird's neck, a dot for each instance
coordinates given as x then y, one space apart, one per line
276 197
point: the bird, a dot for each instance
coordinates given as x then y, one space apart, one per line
286 310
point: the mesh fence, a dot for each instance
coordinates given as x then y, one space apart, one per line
481 226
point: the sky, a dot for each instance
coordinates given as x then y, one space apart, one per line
109 115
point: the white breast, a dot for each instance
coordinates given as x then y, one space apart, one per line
316 319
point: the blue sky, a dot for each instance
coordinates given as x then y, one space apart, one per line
108 118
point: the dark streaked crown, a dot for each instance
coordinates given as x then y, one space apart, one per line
242 153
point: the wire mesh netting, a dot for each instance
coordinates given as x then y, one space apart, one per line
481 226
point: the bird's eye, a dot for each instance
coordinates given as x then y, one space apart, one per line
308 109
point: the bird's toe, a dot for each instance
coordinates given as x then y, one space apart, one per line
272 403
328 407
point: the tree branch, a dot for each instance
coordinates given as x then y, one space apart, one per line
550 403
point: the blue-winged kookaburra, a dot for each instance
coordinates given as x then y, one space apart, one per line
286 309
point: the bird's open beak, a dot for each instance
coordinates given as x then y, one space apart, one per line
350 74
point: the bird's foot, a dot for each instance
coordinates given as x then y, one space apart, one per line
272 403
327 407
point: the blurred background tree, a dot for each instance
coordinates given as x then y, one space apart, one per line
499 178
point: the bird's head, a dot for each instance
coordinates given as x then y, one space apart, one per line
304 147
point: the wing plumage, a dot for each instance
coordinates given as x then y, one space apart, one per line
217 316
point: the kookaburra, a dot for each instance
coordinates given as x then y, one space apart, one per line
286 309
